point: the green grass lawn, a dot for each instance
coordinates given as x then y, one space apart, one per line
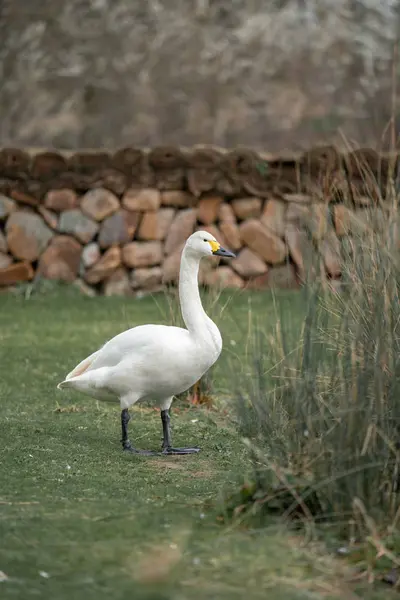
81 519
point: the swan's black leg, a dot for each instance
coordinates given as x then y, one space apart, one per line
126 445
167 447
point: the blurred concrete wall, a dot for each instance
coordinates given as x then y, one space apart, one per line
272 74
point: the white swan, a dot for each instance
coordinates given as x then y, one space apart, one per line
157 362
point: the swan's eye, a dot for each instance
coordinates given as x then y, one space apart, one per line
205 240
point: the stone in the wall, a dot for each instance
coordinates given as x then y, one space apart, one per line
24 197
116 230
259 282
181 228
283 277
225 213
99 203
141 199
7 206
207 209
132 220
263 242
142 254
5 260
117 284
155 225
349 222
16 273
3 243
108 263
84 288
60 200
146 278
27 235
247 208
76 223
90 255
49 217
224 278
301 249
273 216
248 264
298 214
177 199
171 265
318 220
330 251
60 260
231 233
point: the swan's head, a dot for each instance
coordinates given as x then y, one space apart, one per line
202 243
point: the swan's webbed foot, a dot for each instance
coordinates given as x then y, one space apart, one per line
126 445
171 450
167 447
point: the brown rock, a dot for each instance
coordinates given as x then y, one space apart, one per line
283 277
146 278
155 225
132 220
117 284
108 263
177 199
7 206
99 203
273 216
16 273
27 235
248 264
5 260
297 198
224 278
263 242
206 266
230 231
298 214
330 252
226 214
260 282
318 220
247 208
3 243
207 209
61 259
84 288
90 255
142 254
60 200
171 266
143 199
181 228
49 217
77 224
301 249
115 230
24 197
346 221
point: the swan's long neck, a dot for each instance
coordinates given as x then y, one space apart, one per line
192 309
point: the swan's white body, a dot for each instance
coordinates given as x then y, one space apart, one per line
156 362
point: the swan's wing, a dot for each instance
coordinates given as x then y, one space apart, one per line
141 341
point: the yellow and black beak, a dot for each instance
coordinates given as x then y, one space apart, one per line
218 250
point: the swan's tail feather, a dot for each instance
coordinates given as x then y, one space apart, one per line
81 368
90 383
